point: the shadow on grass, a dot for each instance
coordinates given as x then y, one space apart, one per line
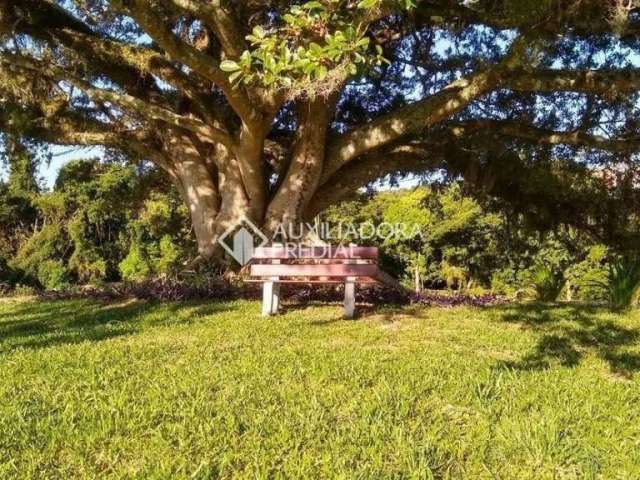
568 333
44 324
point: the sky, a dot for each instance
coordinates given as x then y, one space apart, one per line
62 155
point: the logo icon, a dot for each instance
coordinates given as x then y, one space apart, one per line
244 237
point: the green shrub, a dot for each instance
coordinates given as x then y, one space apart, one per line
504 282
136 265
8 276
588 280
624 282
547 283
21 290
52 205
53 275
168 261
36 254
156 214
86 261
454 276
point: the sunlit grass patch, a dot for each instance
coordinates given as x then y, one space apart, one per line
206 390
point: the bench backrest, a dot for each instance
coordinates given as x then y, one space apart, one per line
326 264
327 254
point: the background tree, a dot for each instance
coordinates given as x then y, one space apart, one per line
18 214
277 109
90 228
471 246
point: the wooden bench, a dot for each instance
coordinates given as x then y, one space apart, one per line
323 265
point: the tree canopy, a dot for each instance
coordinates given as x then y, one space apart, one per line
277 109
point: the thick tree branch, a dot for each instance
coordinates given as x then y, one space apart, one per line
129 66
217 17
425 113
361 172
551 17
115 57
409 119
203 64
611 83
123 100
23 14
65 128
84 47
305 167
542 136
458 95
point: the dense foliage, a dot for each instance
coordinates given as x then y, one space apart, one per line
469 246
101 222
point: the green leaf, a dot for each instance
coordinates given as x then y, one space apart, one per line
259 32
314 5
229 66
368 3
235 76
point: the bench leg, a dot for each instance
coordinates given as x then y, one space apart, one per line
349 298
275 303
267 298
270 297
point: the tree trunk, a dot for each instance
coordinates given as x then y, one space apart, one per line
248 158
212 189
226 184
305 169
199 191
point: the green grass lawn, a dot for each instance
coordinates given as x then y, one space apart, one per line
207 390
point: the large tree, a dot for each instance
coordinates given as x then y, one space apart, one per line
276 109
